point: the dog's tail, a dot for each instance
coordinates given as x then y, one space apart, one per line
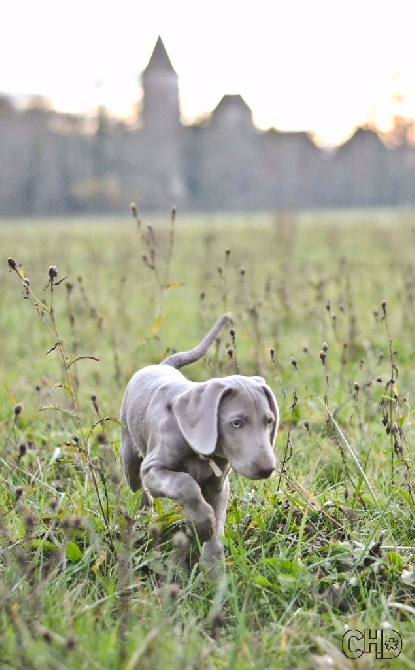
181 358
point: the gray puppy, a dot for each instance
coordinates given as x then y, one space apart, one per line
181 438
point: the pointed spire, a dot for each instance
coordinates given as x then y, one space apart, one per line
159 60
233 110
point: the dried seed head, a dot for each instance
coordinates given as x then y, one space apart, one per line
115 478
93 397
293 361
307 425
18 493
227 252
232 333
53 272
170 593
29 520
11 263
356 386
26 282
323 355
324 346
242 272
21 558
230 352
71 522
218 621
71 642
134 209
154 531
18 409
180 540
22 449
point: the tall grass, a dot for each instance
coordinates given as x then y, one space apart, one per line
325 310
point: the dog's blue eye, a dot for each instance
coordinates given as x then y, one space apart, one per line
237 423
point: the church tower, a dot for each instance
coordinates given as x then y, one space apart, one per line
161 134
160 83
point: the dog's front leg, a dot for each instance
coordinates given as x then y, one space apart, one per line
183 489
217 494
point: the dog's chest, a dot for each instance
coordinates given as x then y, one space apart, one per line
199 468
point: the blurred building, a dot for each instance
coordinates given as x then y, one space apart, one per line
59 163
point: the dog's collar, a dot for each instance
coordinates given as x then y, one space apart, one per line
214 466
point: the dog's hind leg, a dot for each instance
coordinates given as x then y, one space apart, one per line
131 460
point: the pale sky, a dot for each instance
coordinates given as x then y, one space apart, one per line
323 66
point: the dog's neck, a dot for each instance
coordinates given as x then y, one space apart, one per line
213 462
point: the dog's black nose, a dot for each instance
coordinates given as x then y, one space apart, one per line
265 473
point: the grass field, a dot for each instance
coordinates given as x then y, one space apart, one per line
324 309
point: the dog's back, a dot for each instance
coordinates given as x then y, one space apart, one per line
140 391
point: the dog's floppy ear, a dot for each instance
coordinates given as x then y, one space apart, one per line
196 412
273 405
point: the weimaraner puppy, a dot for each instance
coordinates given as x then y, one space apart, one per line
180 438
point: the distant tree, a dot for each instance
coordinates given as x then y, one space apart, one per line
38 103
401 130
6 105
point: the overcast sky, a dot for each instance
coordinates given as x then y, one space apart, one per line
324 66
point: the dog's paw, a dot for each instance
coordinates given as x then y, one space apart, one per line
212 557
201 523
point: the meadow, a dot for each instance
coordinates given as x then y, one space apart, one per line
324 308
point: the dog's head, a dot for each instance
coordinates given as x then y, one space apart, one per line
235 417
